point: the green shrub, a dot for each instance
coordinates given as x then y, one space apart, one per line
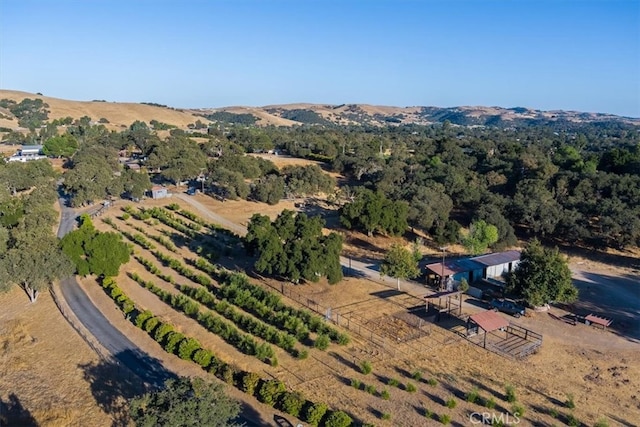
292 403
386 416
173 340
162 331
365 367
510 393
203 357
370 388
569 403
125 216
553 412
473 396
250 381
445 419
187 348
343 339
411 388
432 382
270 391
314 412
384 394
173 207
490 403
142 317
393 382
338 419
228 374
572 421
451 403
356 383
517 410
601 423
322 342
151 324
428 413
303 354
416 375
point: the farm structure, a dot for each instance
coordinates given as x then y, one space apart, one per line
28 153
484 267
158 192
493 332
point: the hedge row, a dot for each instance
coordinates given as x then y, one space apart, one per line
245 322
181 269
160 239
163 216
271 392
267 305
245 343
195 218
238 289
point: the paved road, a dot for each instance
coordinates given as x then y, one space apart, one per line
120 347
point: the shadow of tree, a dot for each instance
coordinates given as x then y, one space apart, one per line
113 384
12 413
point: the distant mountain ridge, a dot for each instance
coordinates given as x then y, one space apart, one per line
119 115
373 115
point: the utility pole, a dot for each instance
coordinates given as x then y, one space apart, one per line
444 250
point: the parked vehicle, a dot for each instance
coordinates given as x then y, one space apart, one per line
508 306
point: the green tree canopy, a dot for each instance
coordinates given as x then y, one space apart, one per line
294 247
542 276
400 263
185 402
34 265
373 212
60 146
94 252
481 236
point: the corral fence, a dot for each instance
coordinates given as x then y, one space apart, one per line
389 343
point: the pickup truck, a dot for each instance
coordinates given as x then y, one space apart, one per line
507 306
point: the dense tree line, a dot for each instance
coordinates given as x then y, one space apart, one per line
574 182
294 247
29 253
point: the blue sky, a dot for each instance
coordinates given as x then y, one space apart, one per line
561 54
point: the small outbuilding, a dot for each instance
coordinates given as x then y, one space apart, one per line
159 192
497 264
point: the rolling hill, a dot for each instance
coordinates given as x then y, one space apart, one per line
118 115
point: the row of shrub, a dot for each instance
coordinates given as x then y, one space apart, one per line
153 269
195 218
137 238
160 239
245 343
245 322
262 301
237 289
180 268
271 392
162 216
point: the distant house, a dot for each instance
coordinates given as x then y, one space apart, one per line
133 166
27 153
158 192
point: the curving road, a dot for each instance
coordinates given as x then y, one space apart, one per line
120 347
149 370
